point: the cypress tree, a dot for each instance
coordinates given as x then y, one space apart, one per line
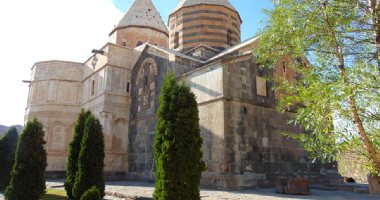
28 173
8 146
91 194
91 159
177 147
74 149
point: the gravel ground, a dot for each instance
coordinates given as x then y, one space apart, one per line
143 191
131 190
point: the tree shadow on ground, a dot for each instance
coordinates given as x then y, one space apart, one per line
53 197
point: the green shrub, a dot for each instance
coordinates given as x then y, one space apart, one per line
91 159
8 146
178 143
73 154
28 173
91 194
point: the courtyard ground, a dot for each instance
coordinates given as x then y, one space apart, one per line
130 190
126 190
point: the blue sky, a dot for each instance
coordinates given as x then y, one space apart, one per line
250 12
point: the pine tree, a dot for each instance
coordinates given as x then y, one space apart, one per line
8 146
178 144
91 159
74 149
28 173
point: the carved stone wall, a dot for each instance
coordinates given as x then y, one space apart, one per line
147 79
107 88
242 142
54 99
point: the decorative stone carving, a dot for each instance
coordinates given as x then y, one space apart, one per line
145 82
58 137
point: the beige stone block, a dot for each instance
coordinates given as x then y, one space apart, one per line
152 85
265 141
261 86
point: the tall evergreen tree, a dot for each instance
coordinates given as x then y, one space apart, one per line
91 159
74 149
8 146
28 173
177 147
91 194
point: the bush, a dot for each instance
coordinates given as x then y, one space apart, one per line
73 154
91 159
91 194
28 173
178 143
8 146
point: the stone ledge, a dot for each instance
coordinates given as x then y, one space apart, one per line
126 197
351 187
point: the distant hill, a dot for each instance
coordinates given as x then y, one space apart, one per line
4 129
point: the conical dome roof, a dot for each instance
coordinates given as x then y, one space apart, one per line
185 3
142 13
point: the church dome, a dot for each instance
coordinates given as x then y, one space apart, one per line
143 13
185 3
141 23
214 23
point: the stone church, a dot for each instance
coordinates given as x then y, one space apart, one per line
120 83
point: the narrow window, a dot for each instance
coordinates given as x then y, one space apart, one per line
229 37
128 87
146 81
93 88
176 40
244 110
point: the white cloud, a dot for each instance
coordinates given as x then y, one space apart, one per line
37 30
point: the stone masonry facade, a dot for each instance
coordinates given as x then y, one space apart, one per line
120 83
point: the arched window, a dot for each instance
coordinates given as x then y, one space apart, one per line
146 85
